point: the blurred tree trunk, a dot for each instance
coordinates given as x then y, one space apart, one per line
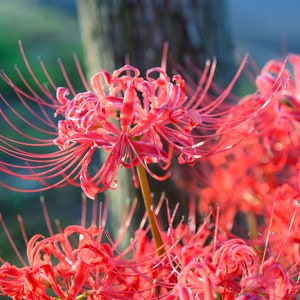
114 29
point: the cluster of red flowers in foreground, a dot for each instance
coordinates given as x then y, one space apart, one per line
82 262
141 121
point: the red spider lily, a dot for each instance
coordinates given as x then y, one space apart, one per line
135 120
83 262
272 282
262 168
234 258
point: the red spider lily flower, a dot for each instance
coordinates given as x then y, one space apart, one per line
262 168
12 281
135 120
288 104
273 281
84 262
235 258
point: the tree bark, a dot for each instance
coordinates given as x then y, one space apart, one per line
114 29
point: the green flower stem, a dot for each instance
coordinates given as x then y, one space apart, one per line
144 184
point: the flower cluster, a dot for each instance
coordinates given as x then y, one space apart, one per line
264 167
83 262
260 176
139 121
135 120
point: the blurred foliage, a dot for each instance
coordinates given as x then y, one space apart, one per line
44 32
49 33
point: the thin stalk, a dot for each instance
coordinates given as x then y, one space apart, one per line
252 225
144 184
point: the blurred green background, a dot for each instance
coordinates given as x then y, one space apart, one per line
49 30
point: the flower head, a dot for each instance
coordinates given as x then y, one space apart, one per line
262 168
85 262
135 120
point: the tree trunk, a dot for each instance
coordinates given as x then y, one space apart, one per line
115 29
